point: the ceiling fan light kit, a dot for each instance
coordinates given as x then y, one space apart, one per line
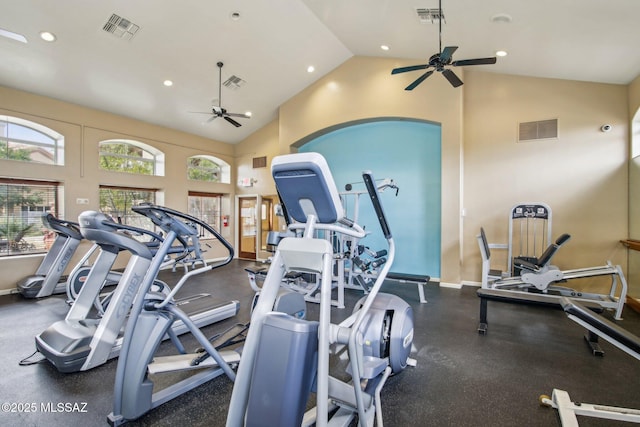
218 111
440 61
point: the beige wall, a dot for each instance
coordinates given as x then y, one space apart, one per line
363 88
264 142
634 189
634 96
582 174
83 128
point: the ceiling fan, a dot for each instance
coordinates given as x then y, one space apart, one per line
439 62
218 111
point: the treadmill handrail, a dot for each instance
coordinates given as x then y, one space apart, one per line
133 229
60 226
166 218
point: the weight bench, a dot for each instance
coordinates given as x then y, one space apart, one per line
541 299
421 281
617 336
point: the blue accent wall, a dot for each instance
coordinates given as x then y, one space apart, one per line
409 152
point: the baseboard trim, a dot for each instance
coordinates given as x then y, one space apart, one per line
633 303
451 285
471 283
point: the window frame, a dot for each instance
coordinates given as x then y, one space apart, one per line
56 138
224 169
156 157
31 241
128 217
216 224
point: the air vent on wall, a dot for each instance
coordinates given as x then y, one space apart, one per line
234 82
121 27
260 162
543 129
430 16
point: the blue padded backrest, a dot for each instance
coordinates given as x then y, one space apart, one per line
306 186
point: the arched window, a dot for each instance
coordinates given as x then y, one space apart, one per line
208 168
124 155
28 141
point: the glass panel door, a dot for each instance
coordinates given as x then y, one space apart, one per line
248 227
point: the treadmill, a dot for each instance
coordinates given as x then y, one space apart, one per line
48 279
80 341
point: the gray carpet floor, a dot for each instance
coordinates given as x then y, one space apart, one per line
461 378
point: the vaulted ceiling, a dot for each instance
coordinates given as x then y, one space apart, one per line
269 45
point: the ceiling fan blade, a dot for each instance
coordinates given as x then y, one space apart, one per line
199 112
419 80
477 61
233 122
447 53
451 76
411 68
210 119
244 116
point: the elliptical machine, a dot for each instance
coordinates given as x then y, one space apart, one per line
48 279
153 316
284 357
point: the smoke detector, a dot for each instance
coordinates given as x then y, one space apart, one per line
432 16
120 27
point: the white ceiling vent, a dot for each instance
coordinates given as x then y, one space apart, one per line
430 16
121 27
543 129
234 83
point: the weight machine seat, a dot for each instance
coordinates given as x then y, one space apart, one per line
546 256
607 327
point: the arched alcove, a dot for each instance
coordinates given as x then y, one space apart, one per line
407 151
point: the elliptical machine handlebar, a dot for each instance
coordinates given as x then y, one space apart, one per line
369 182
355 335
179 224
164 218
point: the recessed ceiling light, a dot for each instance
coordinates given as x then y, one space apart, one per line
311 69
384 47
13 36
235 16
167 83
501 53
248 113
47 36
